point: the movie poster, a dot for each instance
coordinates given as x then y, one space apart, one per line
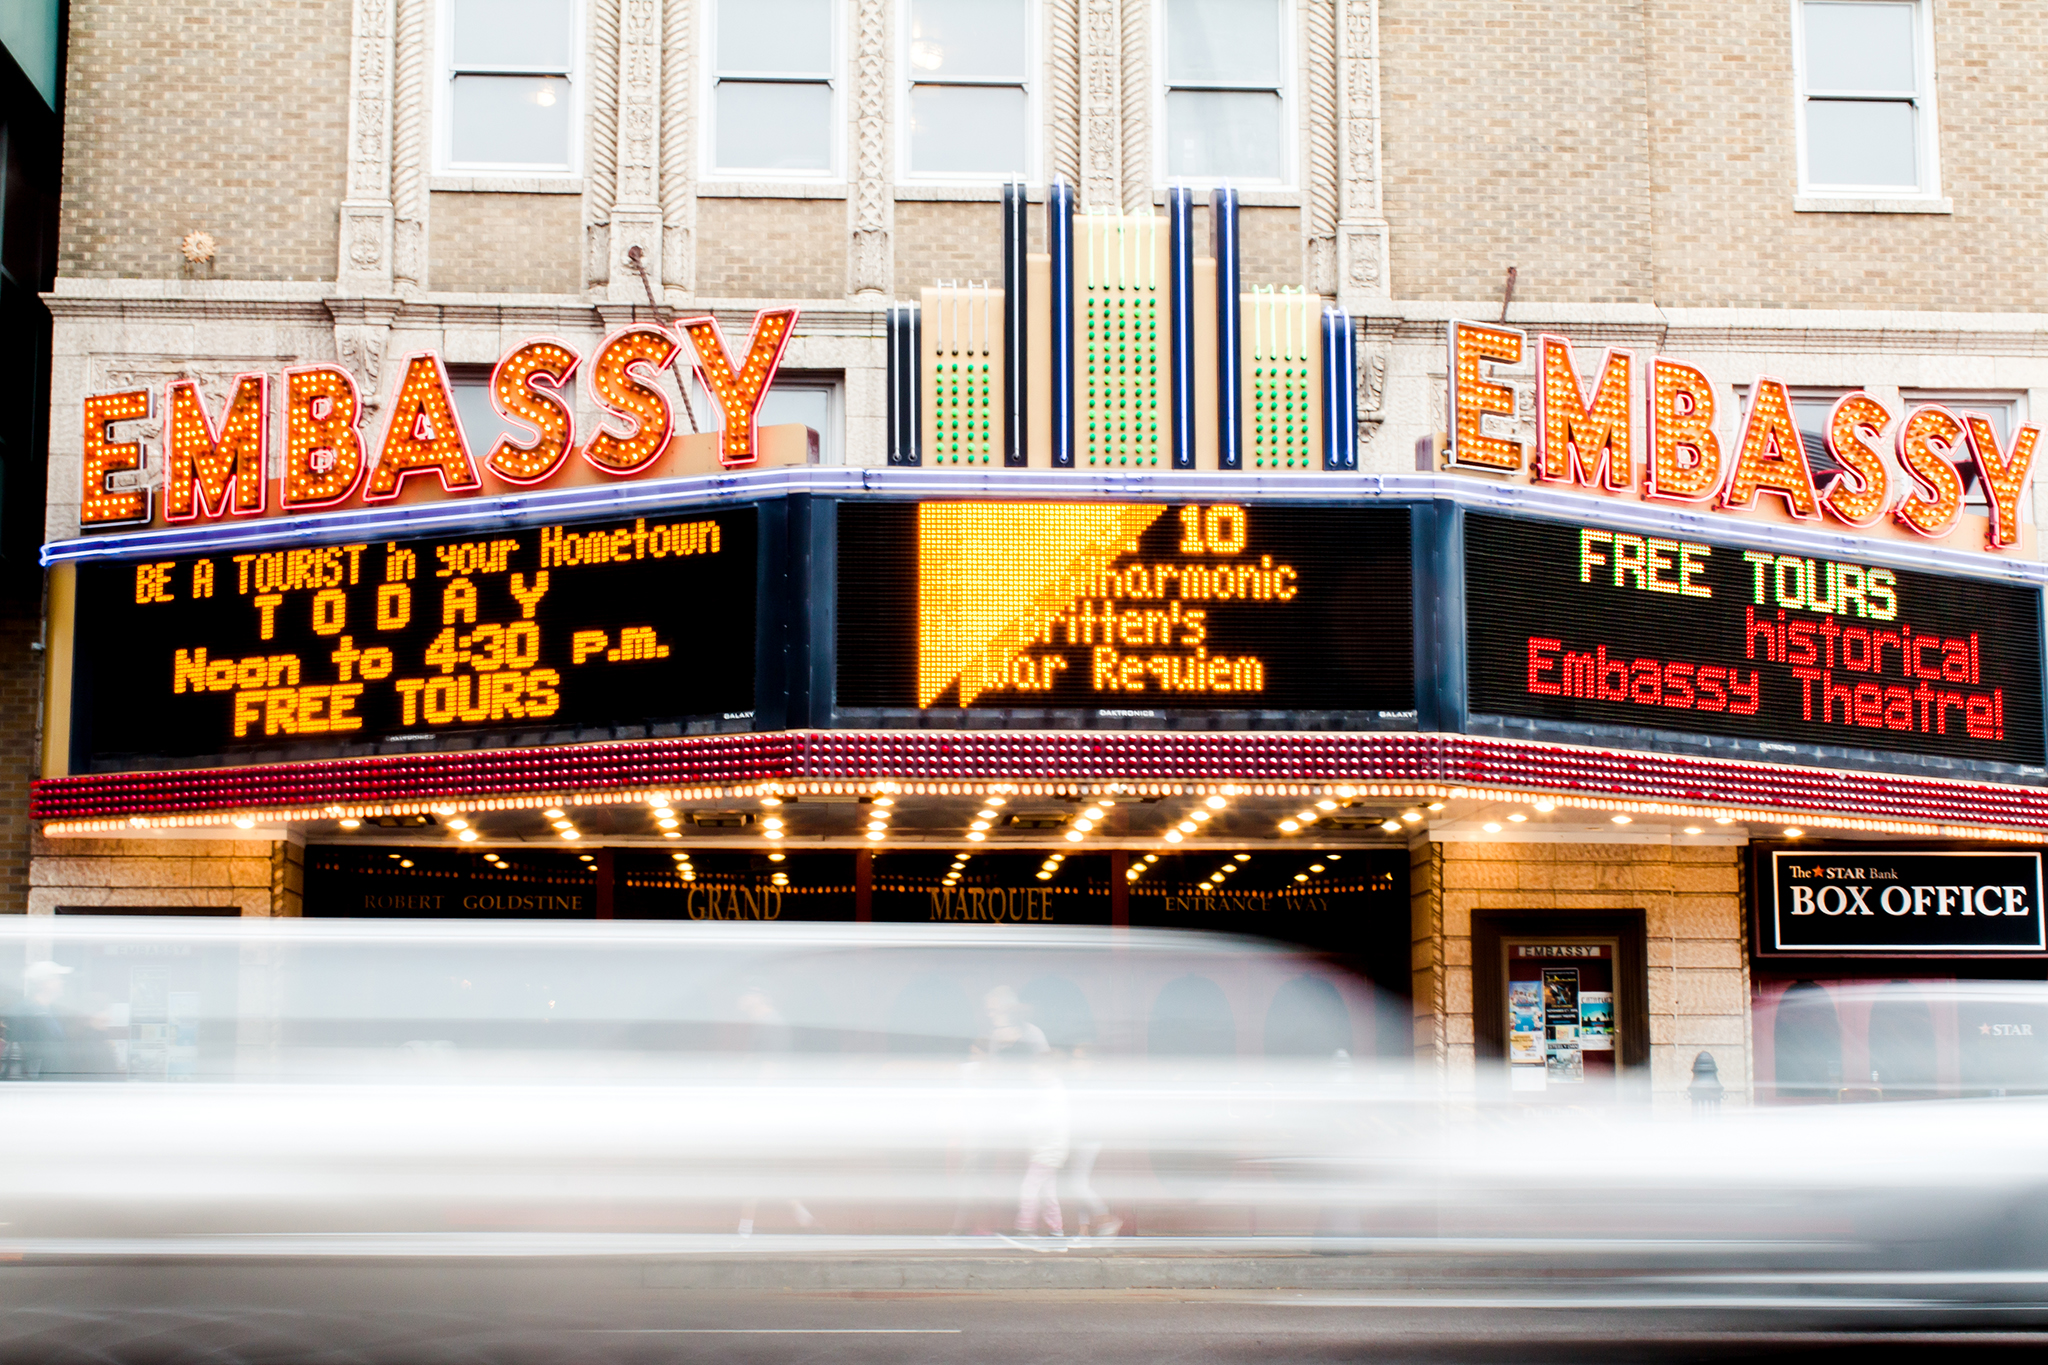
1525 1023
1563 1062
1596 1021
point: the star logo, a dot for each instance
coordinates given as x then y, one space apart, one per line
1984 1028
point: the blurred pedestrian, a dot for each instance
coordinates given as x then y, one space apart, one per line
36 1035
770 1040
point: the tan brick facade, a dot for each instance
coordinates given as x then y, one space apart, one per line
772 248
1691 899
230 119
253 876
505 244
1617 153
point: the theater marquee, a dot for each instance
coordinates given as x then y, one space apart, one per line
1585 624
586 630
1128 610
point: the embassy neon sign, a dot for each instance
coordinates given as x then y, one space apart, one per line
1586 438
211 469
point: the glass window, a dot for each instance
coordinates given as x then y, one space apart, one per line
1226 95
967 65
511 72
470 388
814 398
1864 97
774 97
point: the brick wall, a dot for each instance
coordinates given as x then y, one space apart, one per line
505 243
1617 152
21 669
1726 232
942 241
256 876
1692 905
1516 135
771 248
227 117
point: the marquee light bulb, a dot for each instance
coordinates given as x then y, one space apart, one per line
99 505
620 382
208 467
527 387
1391 826
1216 803
422 435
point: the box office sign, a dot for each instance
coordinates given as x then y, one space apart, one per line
1874 900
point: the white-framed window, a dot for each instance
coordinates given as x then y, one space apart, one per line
967 76
814 398
1865 71
1225 91
510 87
469 387
774 92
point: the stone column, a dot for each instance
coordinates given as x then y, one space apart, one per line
871 272
1361 227
1063 91
678 149
365 248
412 147
636 211
601 141
1101 105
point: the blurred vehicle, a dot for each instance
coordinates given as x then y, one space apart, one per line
243 1131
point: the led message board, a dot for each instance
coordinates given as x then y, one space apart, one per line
598 630
1125 608
1580 623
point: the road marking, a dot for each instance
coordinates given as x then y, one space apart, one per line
780 1331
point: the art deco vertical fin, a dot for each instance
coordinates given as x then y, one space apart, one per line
905 342
1059 243
1340 391
1180 227
1016 281
1229 330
